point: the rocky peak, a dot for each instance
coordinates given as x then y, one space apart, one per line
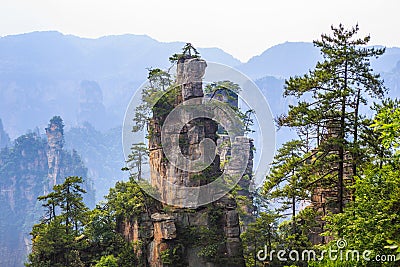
55 142
208 235
4 138
189 76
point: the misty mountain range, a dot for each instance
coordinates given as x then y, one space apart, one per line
47 73
89 83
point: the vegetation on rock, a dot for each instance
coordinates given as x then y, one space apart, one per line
343 166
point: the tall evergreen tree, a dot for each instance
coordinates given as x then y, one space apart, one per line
56 240
159 82
330 98
137 158
286 183
372 220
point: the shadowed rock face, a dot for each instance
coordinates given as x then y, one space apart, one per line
22 169
163 174
91 107
175 230
25 167
55 144
189 75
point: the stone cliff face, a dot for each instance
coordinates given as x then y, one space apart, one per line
324 200
163 173
91 107
55 142
224 151
208 235
25 170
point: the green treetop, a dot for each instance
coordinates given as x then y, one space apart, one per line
327 113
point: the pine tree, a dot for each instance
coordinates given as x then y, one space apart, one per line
159 82
286 183
56 240
188 51
327 113
371 221
137 158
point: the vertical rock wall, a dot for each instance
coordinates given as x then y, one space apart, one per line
324 199
176 236
189 77
55 141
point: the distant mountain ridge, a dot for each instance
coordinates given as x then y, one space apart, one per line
297 58
41 72
282 60
73 56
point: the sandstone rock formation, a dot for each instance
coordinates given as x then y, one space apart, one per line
208 235
55 142
91 107
25 168
324 200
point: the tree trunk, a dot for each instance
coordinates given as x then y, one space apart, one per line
294 213
67 211
342 141
355 136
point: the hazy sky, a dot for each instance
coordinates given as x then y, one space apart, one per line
242 28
